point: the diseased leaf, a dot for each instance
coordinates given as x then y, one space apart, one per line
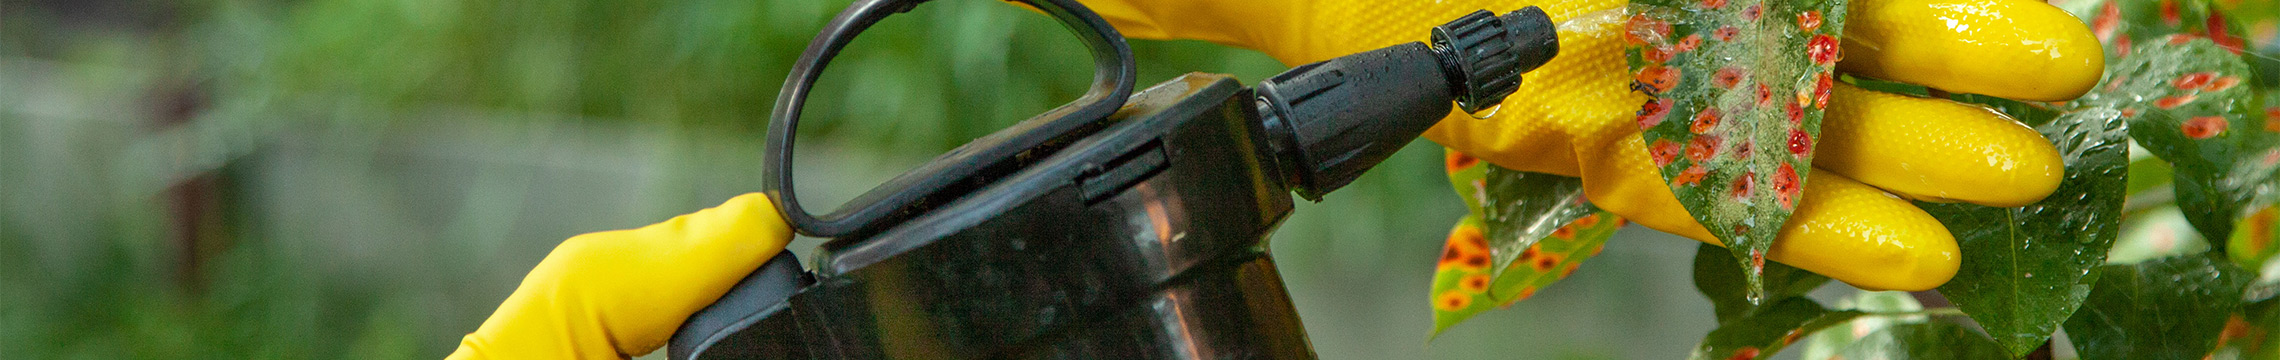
2251 242
1716 277
2186 103
2027 268
1738 88
1463 286
2169 308
1515 207
2248 334
1767 331
2122 24
1928 340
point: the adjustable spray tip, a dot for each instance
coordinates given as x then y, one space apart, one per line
1484 54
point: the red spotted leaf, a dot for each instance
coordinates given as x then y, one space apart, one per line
1726 78
1464 285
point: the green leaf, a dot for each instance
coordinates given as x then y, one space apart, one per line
1463 287
2169 308
1515 207
1928 340
2027 268
1738 89
2148 173
2186 104
1763 333
1725 287
1830 342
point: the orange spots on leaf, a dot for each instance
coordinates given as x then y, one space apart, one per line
1725 33
1742 187
1702 148
1586 220
2109 18
1753 12
1641 30
2220 84
1658 54
1658 78
1564 233
1796 114
1745 353
1452 301
2223 38
1800 143
1475 283
1569 269
1822 49
1690 42
2169 13
1653 112
1713 4
1663 151
1705 120
2204 127
1545 263
1785 186
2259 228
1764 96
2181 39
2170 102
1691 176
1757 261
2192 81
1809 20
1727 77
1821 90
1457 161
1529 253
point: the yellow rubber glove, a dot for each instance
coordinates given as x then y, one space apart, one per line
617 294
1574 116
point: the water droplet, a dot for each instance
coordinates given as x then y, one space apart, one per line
1755 297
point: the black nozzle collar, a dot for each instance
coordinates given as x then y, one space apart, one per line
1485 53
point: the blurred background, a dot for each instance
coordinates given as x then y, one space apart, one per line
368 179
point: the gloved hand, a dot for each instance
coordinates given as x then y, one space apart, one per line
1574 116
617 294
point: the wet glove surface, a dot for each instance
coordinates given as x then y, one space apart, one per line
1574 116
617 294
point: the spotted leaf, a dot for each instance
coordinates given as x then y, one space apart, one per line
2185 104
1516 208
1741 81
1463 286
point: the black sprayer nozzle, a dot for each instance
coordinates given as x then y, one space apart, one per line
1486 53
1335 119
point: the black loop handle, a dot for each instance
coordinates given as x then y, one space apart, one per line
963 168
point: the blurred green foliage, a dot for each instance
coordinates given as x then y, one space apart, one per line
367 179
